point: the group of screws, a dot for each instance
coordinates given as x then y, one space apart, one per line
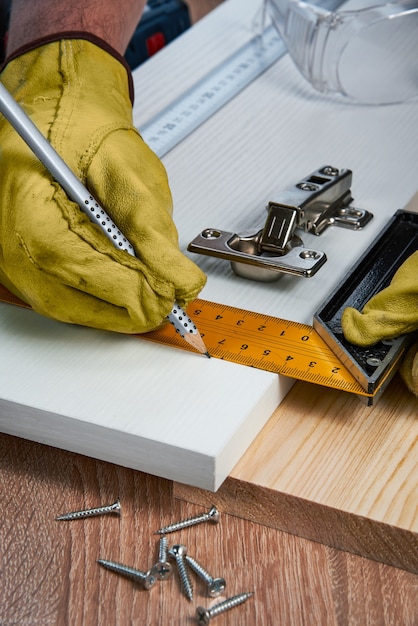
162 570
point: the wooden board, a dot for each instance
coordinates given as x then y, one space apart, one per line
330 469
119 399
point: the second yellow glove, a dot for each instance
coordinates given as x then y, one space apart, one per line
390 313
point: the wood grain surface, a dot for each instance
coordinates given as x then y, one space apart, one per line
49 574
331 469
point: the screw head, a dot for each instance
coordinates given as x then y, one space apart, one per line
202 616
162 570
307 186
216 587
149 580
213 514
328 170
116 506
177 550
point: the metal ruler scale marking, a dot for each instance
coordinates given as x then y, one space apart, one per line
181 117
197 104
272 344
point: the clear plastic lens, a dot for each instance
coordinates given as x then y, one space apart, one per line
380 63
369 55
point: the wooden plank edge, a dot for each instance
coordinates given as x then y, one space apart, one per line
326 525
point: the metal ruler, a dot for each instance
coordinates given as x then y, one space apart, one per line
197 104
193 107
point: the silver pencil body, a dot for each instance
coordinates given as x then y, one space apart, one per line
74 188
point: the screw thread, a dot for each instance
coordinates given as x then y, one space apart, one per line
163 549
171 528
199 569
134 574
184 577
100 510
212 515
130 572
228 604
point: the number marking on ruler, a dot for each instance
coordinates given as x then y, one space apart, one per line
256 340
180 118
264 342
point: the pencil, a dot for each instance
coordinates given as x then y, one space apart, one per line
77 192
187 329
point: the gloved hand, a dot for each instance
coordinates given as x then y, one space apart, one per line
390 313
51 255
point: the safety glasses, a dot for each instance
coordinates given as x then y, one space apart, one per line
369 55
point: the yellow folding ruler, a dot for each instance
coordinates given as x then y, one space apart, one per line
256 340
264 342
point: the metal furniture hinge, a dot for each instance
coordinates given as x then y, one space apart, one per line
320 200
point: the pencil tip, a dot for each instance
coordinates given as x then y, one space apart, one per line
207 354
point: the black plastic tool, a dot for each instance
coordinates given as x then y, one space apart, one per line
373 366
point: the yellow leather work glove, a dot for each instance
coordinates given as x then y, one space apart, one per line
390 313
51 255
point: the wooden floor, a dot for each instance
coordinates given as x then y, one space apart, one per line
49 574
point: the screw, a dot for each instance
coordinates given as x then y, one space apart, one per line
307 186
373 361
328 170
203 616
147 579
162 570
101 510
211 516
178 552
216 586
